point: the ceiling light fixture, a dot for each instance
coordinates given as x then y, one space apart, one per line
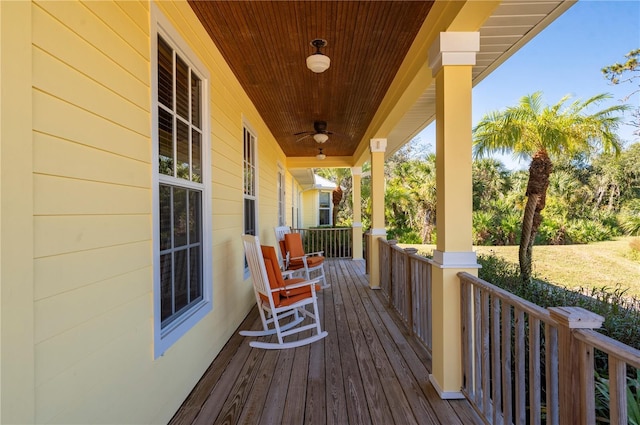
320 155
318 62
320 137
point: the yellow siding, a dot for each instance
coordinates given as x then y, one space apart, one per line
309 208
17 372
88 207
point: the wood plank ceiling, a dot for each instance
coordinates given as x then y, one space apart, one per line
266 44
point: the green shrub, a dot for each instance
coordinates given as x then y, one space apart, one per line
585 231
621 312
603 398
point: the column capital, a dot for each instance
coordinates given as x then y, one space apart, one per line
356 171
453 48
455 260
378 145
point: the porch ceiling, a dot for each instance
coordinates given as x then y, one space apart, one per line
266 43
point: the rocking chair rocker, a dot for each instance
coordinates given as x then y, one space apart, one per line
279 299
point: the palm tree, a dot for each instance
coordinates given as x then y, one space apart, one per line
541 133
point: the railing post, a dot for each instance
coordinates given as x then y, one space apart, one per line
367 252
575 380
392 243
409 286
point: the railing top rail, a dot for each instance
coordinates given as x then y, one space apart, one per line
415 256
321 229
615 348
422 258
527 306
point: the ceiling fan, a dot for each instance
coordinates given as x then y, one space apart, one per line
320 133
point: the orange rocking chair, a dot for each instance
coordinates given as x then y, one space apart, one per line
297 259
280 299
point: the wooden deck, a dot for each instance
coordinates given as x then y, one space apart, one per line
365 372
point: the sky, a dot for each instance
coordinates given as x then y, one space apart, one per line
565 58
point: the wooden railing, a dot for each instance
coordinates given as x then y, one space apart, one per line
522 364
503 333
336 242
405 279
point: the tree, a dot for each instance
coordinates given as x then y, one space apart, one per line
626 73
541 133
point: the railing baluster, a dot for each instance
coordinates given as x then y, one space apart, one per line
617 391
477 338
507 411
486 381
551 367
409 287
534 370
495 359
467 339
521 401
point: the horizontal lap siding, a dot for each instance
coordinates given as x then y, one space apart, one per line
92 183
92 207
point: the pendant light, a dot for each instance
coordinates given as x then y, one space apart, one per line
318 62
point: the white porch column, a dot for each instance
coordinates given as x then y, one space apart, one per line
356 196
451 58
378 147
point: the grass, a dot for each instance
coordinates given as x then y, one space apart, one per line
595 265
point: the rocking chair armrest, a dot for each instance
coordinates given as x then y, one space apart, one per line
310 254
296 285
286 274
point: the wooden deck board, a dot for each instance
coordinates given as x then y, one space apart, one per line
366 370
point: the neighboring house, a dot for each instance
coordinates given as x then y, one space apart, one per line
132 159
317 207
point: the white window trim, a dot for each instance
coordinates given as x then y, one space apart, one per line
165 338
282 195
249 127
330 208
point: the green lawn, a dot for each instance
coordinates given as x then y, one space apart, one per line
574 266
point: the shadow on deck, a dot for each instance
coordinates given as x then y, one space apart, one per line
365 372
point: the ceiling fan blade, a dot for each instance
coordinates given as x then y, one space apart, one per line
303 132
303 137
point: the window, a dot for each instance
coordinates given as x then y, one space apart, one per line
281 196
324 214
250 169
181 189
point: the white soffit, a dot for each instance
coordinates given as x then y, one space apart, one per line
512 25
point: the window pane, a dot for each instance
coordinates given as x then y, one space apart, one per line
165 137
165 217
324 217
182 88
195 100
249 217
165 73
166 288
180 279
194 216
179 217
324 200
196 156
182 140
195 284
